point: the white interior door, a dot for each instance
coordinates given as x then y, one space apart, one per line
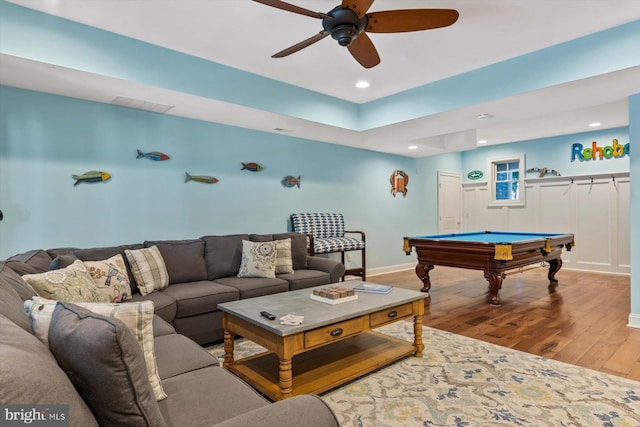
449 202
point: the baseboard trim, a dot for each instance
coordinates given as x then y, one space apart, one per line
634 321
390 269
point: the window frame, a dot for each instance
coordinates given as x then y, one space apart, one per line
492 168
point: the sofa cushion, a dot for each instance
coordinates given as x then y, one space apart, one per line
223 255
184 259
9 276
298 248
190 357
97 254
202 328
105 364
161 327
110 277
11 305
32 262
302 279
148 269
164 306
72 284
250 287
137 316
28 369
258 259
199 297
194 402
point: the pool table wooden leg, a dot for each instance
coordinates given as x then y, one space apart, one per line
495 283
554 266
422 271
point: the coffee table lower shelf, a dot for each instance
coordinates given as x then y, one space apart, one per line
324 368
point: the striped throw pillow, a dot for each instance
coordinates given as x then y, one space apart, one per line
284 262
148 269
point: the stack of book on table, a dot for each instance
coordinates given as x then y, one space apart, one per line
373 288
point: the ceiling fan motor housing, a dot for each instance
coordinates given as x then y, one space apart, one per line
344 25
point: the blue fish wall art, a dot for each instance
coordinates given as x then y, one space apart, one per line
291 181
153 155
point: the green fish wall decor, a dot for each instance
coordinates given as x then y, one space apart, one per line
91 176
200 178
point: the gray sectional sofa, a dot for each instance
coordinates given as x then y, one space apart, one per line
199 392
202 273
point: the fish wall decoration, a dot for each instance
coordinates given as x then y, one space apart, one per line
200 178
399 181
544 171
91 176
253 167
153 155
291 181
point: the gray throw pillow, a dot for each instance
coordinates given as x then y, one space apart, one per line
104 362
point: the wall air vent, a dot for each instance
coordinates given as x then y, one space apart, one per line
123 101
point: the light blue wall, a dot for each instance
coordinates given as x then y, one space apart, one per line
44 139
634 134
553 153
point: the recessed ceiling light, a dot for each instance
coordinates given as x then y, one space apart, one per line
594 124
484 116
412 147
363 84
482 141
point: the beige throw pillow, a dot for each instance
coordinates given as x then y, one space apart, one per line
148 269
110 276
70 284
258 259
138 316
284 261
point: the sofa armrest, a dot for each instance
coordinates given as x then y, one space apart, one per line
308 410
335 268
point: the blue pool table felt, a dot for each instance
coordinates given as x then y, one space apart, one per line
489 237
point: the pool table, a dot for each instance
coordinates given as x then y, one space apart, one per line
489 251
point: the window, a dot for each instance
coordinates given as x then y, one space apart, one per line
507 185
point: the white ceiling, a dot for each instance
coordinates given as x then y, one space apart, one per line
244 34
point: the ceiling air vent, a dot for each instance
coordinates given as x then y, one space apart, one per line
123 101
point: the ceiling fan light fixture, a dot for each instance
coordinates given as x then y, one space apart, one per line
345 34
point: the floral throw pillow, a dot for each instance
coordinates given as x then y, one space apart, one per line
258 259
284 261
70 284
110 276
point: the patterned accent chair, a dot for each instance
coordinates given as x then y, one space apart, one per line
326 234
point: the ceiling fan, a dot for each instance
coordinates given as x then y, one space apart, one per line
349 24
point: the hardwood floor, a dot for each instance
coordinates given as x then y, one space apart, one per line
582 321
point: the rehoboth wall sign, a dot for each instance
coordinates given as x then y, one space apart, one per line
614 151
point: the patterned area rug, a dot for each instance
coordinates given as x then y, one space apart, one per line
461 381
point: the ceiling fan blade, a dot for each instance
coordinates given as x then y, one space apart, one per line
363 50
400 21
293 8
299 46
360 7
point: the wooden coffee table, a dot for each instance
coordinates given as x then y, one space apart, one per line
335 343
